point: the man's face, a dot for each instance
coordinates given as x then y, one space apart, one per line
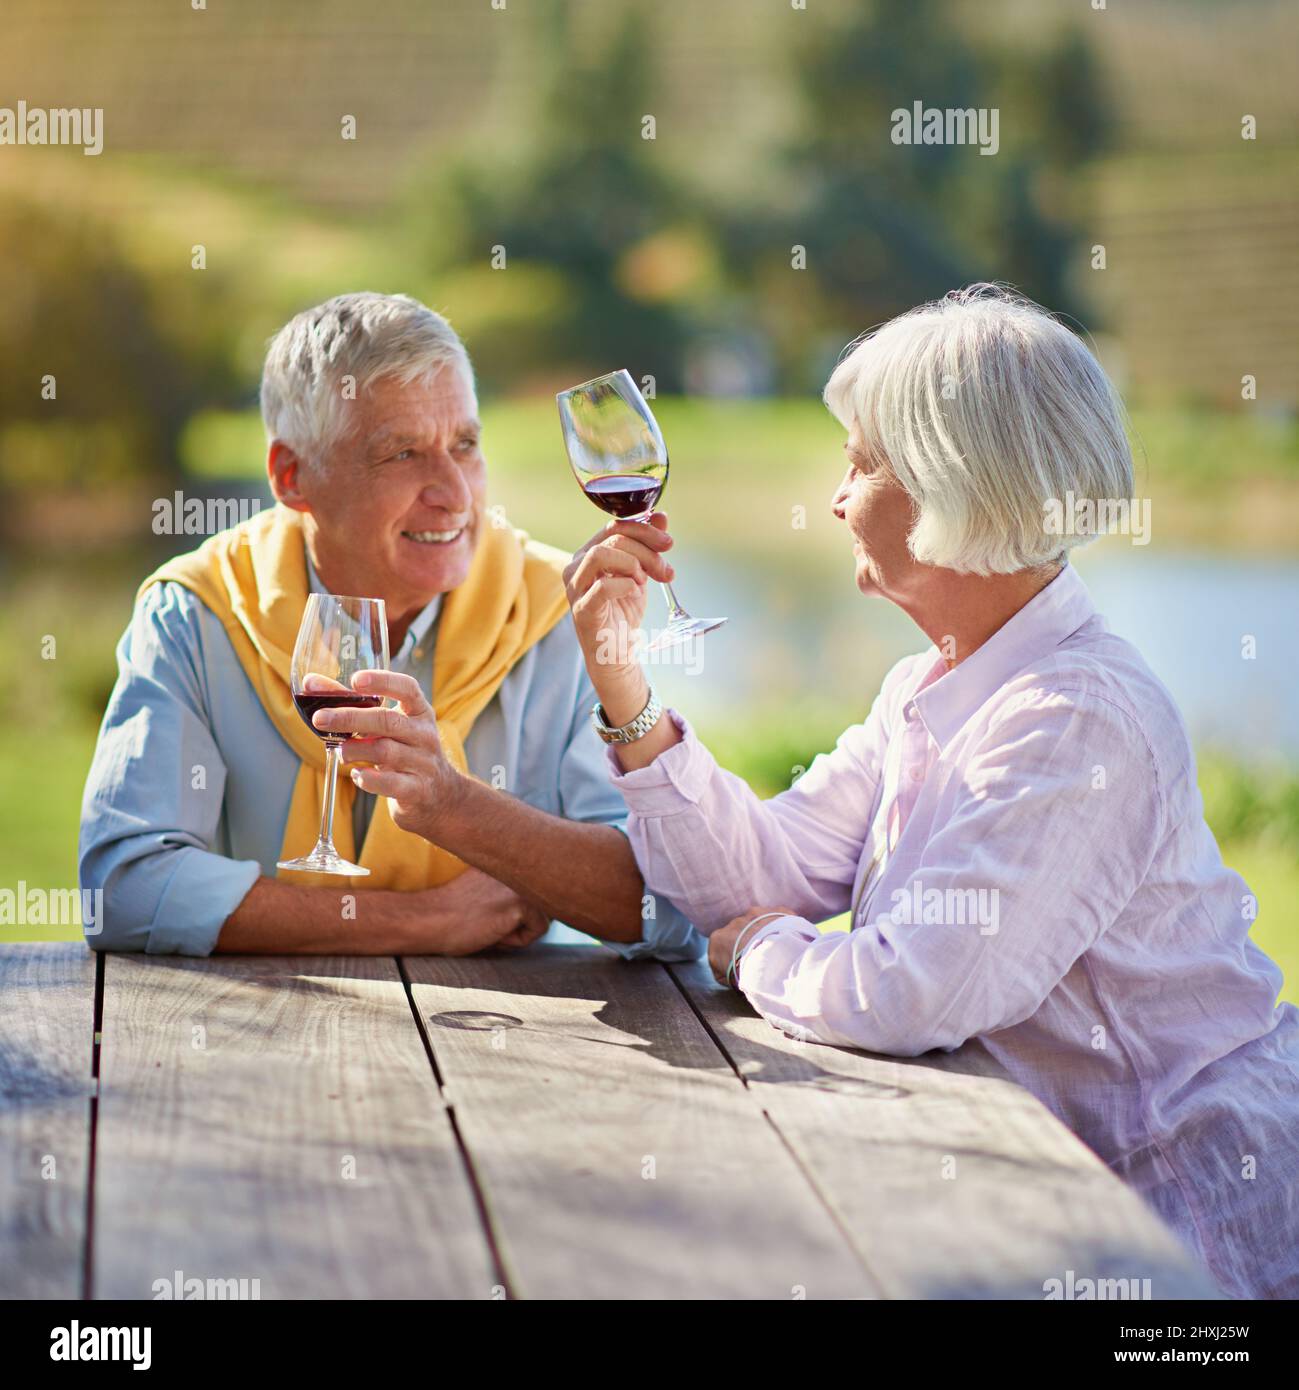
395 509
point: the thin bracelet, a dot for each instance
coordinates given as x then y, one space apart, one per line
739 940
748 926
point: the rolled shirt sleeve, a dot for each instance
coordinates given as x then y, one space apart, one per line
710 845
999 907
153 800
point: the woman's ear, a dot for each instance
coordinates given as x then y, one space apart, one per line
285 470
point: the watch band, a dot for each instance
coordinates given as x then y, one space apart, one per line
628 733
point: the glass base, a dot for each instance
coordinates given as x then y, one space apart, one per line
681 630
324 859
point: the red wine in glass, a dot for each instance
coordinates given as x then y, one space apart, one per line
618 456
624 495
307 705
339 637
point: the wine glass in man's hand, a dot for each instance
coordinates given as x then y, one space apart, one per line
339 636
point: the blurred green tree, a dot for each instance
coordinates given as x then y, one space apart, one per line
102 363
887 225
587 192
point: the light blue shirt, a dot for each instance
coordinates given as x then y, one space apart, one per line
189 791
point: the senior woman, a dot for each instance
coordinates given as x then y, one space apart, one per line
1016 826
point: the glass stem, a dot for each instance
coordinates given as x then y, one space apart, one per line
333 756
675 610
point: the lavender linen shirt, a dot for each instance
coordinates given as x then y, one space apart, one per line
1023 845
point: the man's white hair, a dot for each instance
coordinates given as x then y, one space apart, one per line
327 356
989 412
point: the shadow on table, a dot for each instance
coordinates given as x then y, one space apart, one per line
642 1004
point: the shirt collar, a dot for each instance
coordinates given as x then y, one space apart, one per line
419 627
1045 621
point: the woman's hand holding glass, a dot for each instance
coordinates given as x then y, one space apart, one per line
606 583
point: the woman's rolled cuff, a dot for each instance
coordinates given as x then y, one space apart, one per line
675 781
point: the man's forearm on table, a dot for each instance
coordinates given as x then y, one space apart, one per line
582 874
286 919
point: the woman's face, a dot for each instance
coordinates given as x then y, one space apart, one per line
879 514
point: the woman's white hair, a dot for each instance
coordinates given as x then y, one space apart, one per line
989 412
326 356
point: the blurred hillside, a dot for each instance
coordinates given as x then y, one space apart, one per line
257 89
522 127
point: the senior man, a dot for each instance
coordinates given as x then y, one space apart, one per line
376 464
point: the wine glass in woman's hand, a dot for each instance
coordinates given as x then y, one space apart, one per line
618 457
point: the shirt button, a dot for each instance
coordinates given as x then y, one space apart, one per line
909 712
917 775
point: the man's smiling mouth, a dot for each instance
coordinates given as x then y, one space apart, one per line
434 537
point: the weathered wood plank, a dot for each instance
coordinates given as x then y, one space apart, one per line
276 1119
47 1015
618 1154
952 1181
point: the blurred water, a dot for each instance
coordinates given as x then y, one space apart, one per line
1188 613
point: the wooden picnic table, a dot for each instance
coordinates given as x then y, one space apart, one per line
554 1123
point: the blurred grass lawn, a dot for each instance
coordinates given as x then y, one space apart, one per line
1221 480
